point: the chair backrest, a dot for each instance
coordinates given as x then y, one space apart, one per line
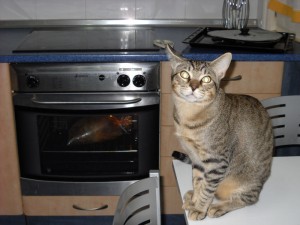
285 115
140 203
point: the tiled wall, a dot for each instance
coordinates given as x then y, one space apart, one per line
115 9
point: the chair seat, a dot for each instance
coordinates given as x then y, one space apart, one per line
278 203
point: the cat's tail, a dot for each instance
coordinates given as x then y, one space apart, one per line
181 157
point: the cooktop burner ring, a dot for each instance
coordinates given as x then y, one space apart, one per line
251 35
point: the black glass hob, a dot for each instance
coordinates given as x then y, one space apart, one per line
116 40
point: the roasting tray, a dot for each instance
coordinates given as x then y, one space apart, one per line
201 38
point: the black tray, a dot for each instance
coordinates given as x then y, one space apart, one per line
200 38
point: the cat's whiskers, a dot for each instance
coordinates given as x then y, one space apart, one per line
192 95
186 91
199 93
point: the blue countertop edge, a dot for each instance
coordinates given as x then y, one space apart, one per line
38 58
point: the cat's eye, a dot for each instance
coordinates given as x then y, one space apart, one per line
184 75
206 79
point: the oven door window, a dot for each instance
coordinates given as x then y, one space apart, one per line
103 145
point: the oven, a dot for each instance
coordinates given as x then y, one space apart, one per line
85 128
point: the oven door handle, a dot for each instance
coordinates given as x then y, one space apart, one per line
90 209
131 101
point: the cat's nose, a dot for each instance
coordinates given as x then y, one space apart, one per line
194 84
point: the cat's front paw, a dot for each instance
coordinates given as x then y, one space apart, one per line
188 204
216 211
196 214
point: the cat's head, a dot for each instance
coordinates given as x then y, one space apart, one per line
197 81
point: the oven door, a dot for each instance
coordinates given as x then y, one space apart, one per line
87 136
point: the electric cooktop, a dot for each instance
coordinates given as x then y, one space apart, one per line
116 40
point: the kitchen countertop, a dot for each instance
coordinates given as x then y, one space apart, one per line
11 38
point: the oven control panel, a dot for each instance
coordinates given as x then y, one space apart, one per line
85 77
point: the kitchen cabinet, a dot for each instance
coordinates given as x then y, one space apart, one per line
63 205
259 79
10 192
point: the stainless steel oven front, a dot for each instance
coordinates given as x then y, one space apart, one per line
86 128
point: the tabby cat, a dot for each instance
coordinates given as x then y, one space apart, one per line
227 137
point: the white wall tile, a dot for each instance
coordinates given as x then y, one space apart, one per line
60 9
254 9
204 9
110 9
212 9
116 9
160 9
17 9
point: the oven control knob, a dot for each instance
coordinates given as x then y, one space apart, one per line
123 80
139 81
32 81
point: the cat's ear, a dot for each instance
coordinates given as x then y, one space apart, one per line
221 64
175 58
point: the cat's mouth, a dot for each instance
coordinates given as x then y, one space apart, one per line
192 96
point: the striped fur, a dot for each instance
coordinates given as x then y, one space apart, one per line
227 137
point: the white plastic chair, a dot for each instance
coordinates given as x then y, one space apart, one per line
139 204
285 115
